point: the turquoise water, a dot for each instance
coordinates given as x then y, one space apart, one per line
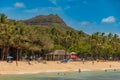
101 75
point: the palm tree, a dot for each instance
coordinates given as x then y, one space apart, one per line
3 18
3 28
115 44
19 39
110 37
6 36
95 44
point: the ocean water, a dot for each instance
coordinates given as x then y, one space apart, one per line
97 75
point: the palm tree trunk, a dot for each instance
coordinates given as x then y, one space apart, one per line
20 56
17 58
7 51
3 53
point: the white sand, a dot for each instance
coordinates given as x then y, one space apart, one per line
53 66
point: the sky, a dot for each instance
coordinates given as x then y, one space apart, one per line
88 15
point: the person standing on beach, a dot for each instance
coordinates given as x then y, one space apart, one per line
83 60
79 70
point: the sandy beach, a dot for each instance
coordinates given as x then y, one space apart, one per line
54 66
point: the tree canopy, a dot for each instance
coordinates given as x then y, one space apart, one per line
20 40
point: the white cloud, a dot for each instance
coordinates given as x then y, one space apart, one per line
32 10
84 23
110 19
6 9
45 10
118 34
53 1
19 5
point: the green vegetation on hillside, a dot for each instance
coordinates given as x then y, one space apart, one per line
23 40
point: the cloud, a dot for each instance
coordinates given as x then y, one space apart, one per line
45 10
110 19
118 34
6 9
53 2
19 5
84 23
32 10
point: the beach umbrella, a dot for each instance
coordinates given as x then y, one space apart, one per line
73 56
9 57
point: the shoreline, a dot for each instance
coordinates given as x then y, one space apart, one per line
55 71
53 66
